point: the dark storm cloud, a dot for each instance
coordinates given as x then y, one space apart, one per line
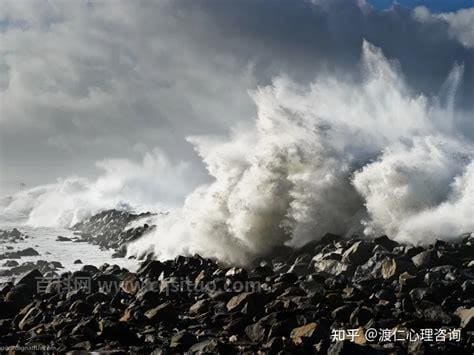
83 81
299 38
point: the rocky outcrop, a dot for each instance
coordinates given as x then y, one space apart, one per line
108 229
12 236
19 254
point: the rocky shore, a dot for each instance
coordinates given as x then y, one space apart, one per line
108 229
326 297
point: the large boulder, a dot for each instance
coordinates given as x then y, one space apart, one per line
425 259
386 242
393 267
358 253
32 280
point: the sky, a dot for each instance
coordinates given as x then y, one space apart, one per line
121 84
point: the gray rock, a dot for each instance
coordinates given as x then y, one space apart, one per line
425 259
331 267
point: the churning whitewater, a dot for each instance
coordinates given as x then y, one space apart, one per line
343 155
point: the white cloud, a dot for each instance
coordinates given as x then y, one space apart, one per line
460 23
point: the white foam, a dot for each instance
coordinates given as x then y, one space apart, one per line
337 156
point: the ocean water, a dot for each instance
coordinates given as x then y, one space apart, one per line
43 240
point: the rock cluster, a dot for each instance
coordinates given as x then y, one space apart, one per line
11 236
108 229
19 253
290 302
47 268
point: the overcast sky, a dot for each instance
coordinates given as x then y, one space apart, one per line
84 81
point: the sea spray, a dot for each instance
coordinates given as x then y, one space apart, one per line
154 183
339 155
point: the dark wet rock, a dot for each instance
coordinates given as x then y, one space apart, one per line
299 268
77 261
274 344
31 280
80 307
121 252
420 294
361 316
386 242
11 236
60 238
30 319
371 270
261 271
239 301
19 254
5 273
43 266
209 346
88 329
436 315
57 264
117 331
98 297
342 314
152 269
108 229
182 341
358 253
407 281
17 297
427 258
15 233
91 269
467 287
10 263
329 238
256 332
164 311
393 267
28 252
